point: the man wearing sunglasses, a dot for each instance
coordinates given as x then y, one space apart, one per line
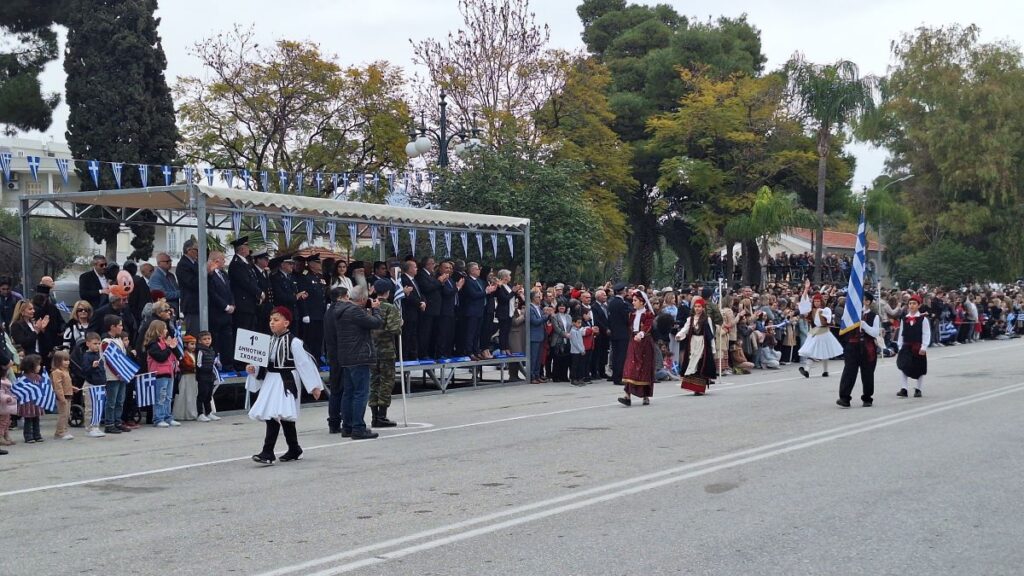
93 286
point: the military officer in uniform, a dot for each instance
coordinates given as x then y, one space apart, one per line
245 287
382 371
261 262
282 284
313 307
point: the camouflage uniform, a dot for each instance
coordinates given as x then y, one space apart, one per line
382 372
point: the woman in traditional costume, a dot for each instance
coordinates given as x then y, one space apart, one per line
638 373
697 350
913 341
820 344
278 401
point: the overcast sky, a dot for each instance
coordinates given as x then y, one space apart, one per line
367 30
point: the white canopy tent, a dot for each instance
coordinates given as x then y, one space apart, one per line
212 208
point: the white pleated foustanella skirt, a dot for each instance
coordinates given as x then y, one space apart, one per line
823 346
273 402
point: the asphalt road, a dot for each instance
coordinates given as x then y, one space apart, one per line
763 476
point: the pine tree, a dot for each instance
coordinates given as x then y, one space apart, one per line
120 106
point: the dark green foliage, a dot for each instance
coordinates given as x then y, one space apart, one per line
120 106
26 26
945 263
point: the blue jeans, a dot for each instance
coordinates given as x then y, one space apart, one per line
164 391
115 403
355 393
535 360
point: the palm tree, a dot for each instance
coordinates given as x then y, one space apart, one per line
829 96
771 216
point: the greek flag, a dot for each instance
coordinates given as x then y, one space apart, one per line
332 231
318 181
236 222
494 244
334 183
511 246
344 182
353 235
62 167
120 363
374 235
145 389
94 169
25 391
391 182
412 240
216 370
717 295
286 227
245 177
5 165
118 167
144 175
362 181
265 180
394 238
298 181
189 174
168 174
282 178
448 242
41 394
33 167
464 236
433 241
398 292
310 230
263 226
209 176
229 177
98 396
63 307
855 289
47 400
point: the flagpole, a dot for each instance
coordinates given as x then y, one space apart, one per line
718 362
401 361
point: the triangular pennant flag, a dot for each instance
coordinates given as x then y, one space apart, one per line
433 241
362 182
144 175
5 165
376 182
62 167
168 174
464 236
375 236
480 243
33 167
332 232
391 182
263 226
286 226
310 230
209 176
236 222
334 184
118 167
494 244
511 246
298 181
394 238
265 180
318 181
412 240
448 243
189 174
282 178
94 169
229 177
353 235
344 183
244 173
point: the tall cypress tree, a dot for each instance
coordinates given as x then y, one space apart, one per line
120 106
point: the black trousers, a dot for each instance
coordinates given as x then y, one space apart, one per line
504 329
204 398
313 338
579 367
426 336
290 436
444 336
855 357
411 340
619 348
599 358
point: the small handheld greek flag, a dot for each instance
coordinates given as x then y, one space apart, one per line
40 394
63 307
145 389
98 396
120 363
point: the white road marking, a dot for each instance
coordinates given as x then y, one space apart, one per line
608 492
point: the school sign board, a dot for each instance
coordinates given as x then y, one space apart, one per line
252 348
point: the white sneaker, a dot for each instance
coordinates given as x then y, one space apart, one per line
163 425
213 417
202 418
175 423
96 433
67 437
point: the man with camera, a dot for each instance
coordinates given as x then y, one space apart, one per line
354 354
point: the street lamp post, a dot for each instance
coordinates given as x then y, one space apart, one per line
879 225
420 141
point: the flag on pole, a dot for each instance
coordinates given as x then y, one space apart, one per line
98 395
62 167
286 225
33 167
94 169
209 176
855 290
236 222
5 165
120 363
145 389
399 292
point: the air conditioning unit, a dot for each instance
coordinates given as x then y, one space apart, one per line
13 185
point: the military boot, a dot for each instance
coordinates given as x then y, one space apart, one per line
380 420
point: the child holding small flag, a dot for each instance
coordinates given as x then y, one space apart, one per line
31 370
115 383
60 375
162 358
95 377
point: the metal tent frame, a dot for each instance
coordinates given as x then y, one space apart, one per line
212 207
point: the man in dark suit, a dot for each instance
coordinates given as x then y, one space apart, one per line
245 287
188 283
538 318
618 331
282 285
221 308
430 288
444 325
313 307
261 265
599 311
472 302
93 286
413 306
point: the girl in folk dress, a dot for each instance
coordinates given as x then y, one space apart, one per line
820 344
697 350
278 401
914 339
638 373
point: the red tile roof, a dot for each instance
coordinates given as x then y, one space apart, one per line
832 239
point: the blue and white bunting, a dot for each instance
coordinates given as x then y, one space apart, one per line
94 170
33 167
374 235
511 246
494 244
265 180
120 363
362 182
480 243
344 183
298 181
145 389
5 165
464 236
282 178
334 184
310 230
394 238
244 173
332 232
118 167
168 174
209 176
190 174
98 396
263 226
318 181
286 226
432 234
412 240
62 167
144 175
853 312
391 182
236 223
353 234
229 177
448 243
